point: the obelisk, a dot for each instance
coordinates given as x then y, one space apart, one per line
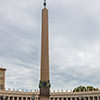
44 79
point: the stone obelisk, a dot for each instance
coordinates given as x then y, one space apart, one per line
44 79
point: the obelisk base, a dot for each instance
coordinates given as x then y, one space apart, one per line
44 93
44 98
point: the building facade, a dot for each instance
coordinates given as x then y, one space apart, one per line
30 95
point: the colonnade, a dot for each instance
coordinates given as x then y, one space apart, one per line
73 98
76 98
51 98
15 98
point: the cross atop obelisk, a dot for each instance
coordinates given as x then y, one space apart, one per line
44 78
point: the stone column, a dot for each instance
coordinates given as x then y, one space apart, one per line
97 97
21 98
66 98
8 97
88 98
30 98
26 98
17 98
13 98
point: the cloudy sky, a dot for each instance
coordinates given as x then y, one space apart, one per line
74 33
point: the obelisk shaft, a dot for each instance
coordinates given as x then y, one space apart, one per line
44 47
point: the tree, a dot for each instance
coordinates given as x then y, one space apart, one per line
83 88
